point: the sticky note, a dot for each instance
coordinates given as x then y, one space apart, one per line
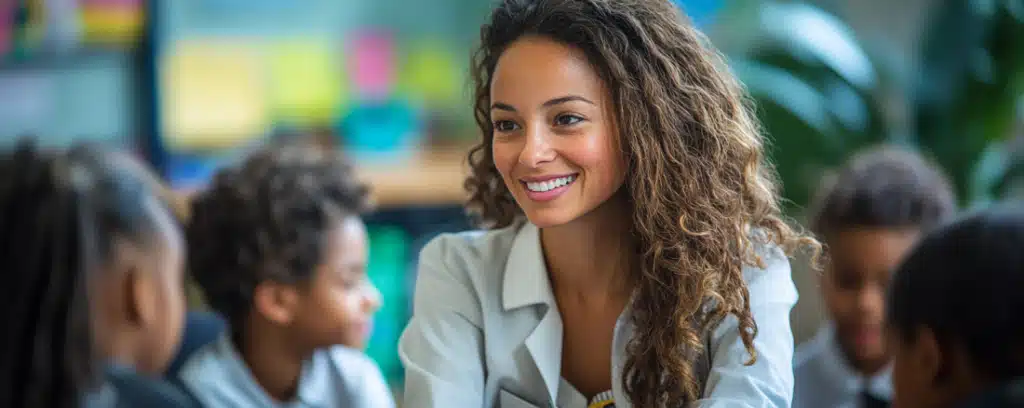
373 65
215 95
431 75
111 21
306 82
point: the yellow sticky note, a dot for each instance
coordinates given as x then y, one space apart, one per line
215 95
306 86
112 25
431 74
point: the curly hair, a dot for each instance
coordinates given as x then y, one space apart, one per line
698 181
884 186
266 220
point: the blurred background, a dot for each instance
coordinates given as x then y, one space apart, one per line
189 85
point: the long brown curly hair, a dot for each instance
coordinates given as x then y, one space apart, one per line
698 180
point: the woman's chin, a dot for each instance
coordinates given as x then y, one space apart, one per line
550 217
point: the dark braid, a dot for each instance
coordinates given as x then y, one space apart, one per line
59 214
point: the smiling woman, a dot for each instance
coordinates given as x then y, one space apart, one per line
637 256
553 129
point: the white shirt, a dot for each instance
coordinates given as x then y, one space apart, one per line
824 379
486 332
336 377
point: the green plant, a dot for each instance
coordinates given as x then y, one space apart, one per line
822 95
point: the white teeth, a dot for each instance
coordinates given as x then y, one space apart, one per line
542 186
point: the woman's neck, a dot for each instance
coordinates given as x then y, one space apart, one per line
274 365
594 254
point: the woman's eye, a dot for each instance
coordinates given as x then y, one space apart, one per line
505 125
567 120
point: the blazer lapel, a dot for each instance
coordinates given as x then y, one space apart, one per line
526 283
545 346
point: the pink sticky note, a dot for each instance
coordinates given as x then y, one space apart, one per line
373 65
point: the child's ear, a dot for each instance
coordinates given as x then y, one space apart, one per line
276 302
135 286
929 356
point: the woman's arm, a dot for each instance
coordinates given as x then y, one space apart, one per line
442 347
769 382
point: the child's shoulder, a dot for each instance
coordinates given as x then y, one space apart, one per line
360 376
350 360
809 354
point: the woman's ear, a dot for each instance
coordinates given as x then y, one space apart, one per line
276 302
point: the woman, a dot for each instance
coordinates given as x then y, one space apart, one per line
93 294
652 240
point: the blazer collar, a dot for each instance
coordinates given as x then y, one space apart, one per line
526 283
526 279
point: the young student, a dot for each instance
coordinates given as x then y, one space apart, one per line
954 316
869 216
93 301
278 248
638 252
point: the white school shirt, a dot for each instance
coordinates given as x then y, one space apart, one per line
335 377
486 332
824 379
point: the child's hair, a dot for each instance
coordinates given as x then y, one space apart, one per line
697 177
265 220
886 187
61 214
965 282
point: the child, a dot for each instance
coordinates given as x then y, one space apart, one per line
869 216
93 262
279 250
955 319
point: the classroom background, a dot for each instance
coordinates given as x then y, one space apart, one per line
189 85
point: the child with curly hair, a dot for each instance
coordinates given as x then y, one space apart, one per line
637 255
278 248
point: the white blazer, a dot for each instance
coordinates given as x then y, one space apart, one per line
486 332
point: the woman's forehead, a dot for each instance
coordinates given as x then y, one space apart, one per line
544 69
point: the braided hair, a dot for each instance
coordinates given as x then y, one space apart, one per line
60 213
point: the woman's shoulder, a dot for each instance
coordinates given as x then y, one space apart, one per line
466 271
771 280
469 251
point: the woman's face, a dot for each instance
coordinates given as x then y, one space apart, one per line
555 141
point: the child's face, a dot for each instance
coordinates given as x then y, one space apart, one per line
854 286
915 372
168 263
139 308
338 305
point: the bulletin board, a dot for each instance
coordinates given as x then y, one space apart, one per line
70 71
